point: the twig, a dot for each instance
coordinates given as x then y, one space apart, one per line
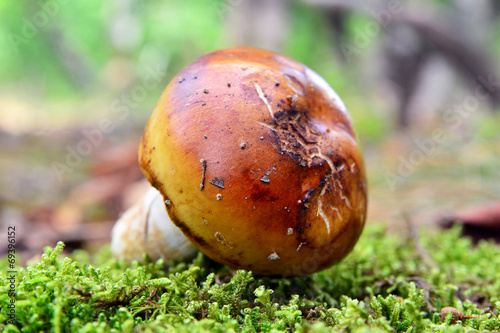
413 235
203 171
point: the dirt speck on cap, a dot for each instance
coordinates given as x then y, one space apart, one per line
219 182
221 239
273 256
293 99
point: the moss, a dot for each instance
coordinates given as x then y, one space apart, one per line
390 283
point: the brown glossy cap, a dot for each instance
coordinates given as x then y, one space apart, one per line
258 159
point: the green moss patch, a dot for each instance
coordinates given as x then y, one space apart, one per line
390 283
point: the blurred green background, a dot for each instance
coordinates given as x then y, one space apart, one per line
61 59
67 65
58 54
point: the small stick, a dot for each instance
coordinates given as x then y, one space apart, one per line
203 171
413 234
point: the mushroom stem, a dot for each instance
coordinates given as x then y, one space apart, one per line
146 228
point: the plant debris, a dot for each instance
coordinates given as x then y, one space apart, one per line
219 182
293 99
456 315
203 171
273 257
265 179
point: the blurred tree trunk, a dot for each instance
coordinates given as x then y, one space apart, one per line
258 23
454 35
72 62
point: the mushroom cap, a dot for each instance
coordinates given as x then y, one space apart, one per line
282 189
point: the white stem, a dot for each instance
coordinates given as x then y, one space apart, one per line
147 228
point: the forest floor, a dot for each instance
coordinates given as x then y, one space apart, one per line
399 277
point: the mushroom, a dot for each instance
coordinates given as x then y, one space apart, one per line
294 197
